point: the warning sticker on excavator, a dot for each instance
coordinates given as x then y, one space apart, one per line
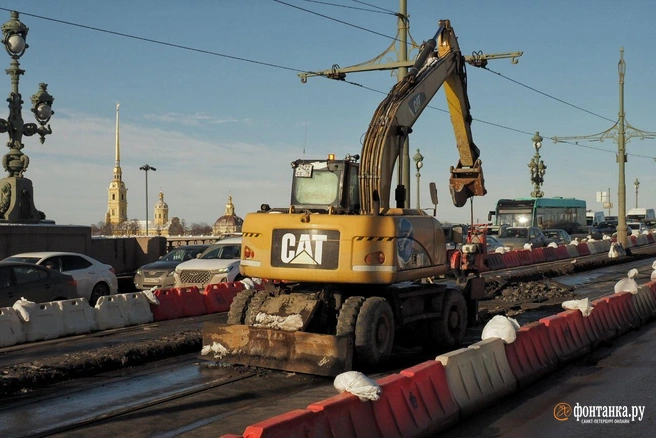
311 249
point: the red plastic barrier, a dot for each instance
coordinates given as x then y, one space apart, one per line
600 324
532 355
550 254
231 435
191 301
479 262
568 335
394 411
431 388
344 415
562 253
650 237
634 240
496 261
538 255
291 424
511 259
169 305
618 314
624 302
583 249
218 297
525 257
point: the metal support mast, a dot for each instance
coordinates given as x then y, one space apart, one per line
401 66
620 137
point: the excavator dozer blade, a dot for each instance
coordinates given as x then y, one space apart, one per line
302 352
466 182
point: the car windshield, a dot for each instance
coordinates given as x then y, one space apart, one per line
22 259
181 255
514 233
223 252
554 234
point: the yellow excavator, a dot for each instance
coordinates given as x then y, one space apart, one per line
346 272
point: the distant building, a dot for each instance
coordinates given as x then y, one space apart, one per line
229 223
117 202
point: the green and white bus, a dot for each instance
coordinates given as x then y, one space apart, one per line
564 213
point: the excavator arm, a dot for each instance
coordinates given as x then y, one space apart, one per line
440 64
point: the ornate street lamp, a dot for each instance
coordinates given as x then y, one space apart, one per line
146 168
636 184
16 192
419 162
537 168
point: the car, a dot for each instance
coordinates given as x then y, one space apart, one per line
94 278
516 237
34 283
637 228
218 263
160 274
586 232
561 237
492 243
607 227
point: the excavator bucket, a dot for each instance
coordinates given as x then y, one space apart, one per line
302 352
466 182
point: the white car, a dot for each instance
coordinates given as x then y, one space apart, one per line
218 263
94 279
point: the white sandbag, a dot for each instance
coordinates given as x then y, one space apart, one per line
628 284
24 308
528 246
582 305
150 296
248 283
358 384
653 274
552 245
501 250
616 250
501 327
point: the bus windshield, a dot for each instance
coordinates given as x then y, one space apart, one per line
565 213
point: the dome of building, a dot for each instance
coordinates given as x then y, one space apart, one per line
161 204
229 223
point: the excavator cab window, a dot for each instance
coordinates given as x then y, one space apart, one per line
317 185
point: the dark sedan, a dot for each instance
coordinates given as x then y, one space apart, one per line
516 237
34 283
159 274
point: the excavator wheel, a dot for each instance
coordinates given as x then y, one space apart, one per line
348 315
374 332
254 306
449 329
238 307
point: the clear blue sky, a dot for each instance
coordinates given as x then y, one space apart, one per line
213 125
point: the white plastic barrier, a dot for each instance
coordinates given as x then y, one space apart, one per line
478 375
137 308
78 316
605 245
642 240
45 323
110 312
11 328
594 247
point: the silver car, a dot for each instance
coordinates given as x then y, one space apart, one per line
159 274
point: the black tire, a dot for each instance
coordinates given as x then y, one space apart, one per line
254 306
99 290
449 329
348 315
237 310
374 332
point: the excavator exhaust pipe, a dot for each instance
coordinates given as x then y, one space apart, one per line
466 182
296 351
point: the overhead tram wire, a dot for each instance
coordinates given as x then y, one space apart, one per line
375 6
237 58
384 11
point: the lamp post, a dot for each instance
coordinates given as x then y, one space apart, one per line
537 167
620 137
419 162
16 192
636 183
146 168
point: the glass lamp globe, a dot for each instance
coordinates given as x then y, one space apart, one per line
16 44
43 111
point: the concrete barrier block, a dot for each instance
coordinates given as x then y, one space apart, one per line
78 316
478 375
110 313
137 308
45 323
11 327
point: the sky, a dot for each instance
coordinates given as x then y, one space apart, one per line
209 96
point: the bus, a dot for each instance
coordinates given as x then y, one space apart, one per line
564 213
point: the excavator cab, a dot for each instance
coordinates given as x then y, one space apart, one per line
326 186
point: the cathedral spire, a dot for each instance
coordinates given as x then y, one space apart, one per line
117 208
117 164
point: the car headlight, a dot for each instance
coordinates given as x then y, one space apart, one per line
139 272
170 274
224 270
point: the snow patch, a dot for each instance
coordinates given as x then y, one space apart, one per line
216 348
289 323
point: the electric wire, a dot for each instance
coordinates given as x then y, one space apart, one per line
278 66
350 7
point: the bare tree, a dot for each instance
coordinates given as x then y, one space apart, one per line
200 229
